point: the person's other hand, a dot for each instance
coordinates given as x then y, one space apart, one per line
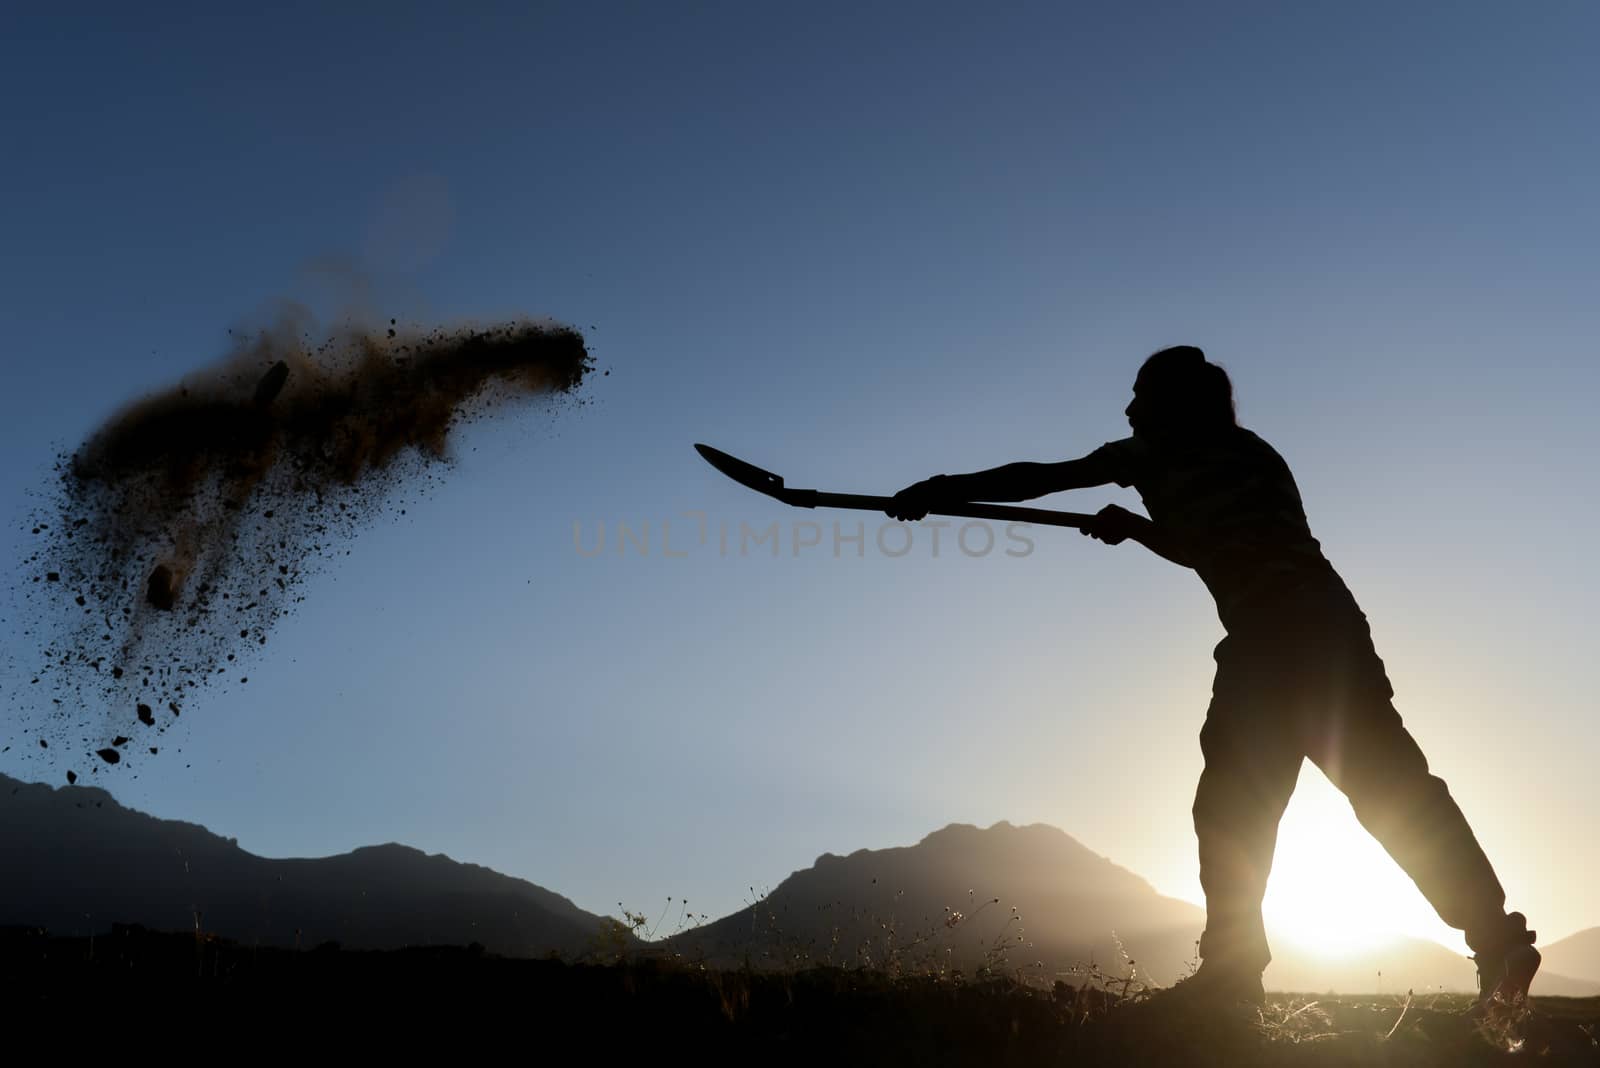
916 500
1113 524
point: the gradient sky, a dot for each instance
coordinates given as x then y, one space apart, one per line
857 244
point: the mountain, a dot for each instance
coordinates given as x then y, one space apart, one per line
1030 896
1400 964
962 893
1577 955
76 861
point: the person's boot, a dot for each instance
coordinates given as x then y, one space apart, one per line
1507 966
1214 986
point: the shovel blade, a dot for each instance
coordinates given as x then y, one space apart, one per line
745 474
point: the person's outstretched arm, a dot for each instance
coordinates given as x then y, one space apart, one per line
1024 481
1011 482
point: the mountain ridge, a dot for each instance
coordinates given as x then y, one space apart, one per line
1577 955
85 856
1028 897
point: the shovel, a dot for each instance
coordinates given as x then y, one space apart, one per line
748 474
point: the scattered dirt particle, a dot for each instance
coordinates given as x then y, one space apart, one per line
159 592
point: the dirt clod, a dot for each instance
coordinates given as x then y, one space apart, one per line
159 591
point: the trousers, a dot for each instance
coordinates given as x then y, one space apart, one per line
1303 681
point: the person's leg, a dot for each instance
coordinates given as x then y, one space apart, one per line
1252 762
1356 737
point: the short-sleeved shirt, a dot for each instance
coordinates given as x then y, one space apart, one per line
1232 507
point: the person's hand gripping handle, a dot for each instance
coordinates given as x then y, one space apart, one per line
918 499
1114 525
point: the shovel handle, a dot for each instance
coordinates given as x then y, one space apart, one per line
803 498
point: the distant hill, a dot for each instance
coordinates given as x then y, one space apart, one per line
1397 966
1029 898
1577 955
1059 904
1073 907
1402 964
76 861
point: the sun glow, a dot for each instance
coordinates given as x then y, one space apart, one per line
1333 890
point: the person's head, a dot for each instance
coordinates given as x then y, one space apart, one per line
1180 394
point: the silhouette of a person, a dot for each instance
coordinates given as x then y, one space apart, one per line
1297 675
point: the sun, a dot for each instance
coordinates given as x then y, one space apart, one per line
1333 889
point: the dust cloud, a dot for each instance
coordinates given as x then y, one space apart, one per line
176 537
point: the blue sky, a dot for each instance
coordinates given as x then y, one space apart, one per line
858 244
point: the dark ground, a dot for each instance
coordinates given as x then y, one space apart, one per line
189 993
